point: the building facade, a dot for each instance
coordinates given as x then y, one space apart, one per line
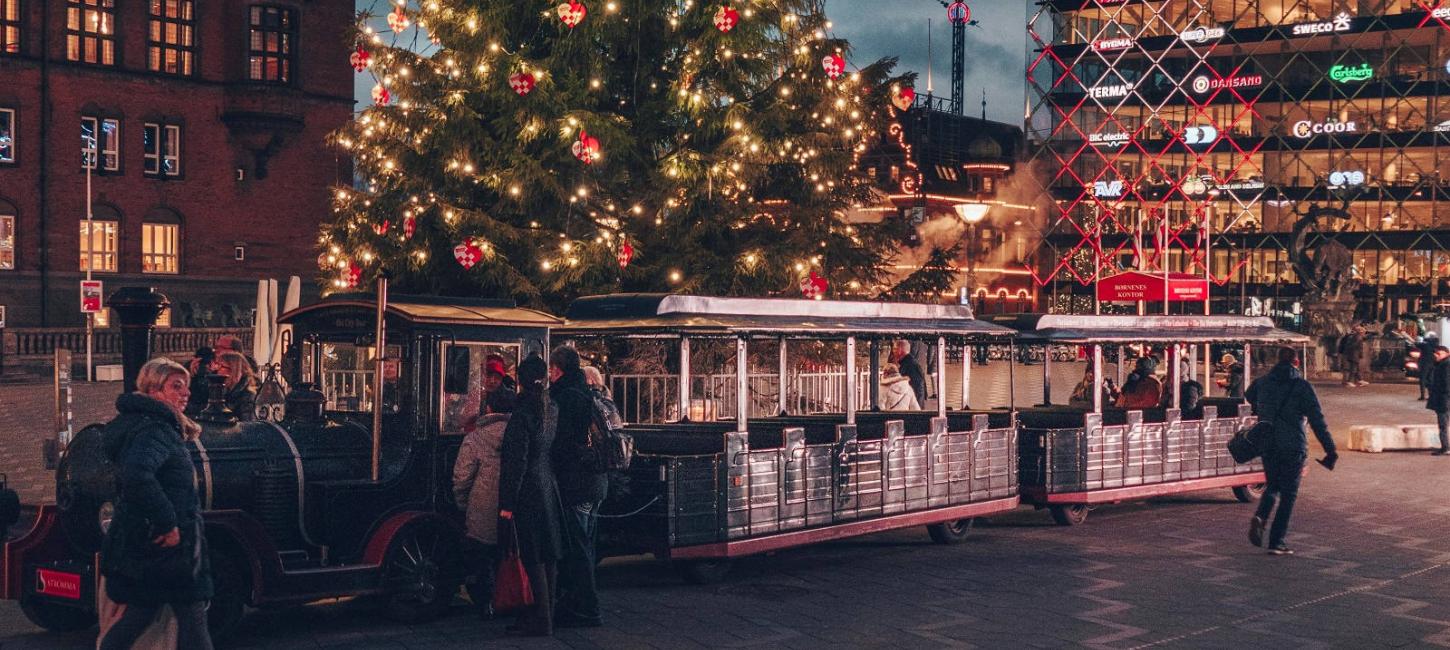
1197 134
201 127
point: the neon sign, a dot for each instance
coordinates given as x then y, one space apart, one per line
1202 34
1115 139
1200 135
1346 179
1443 127
1347 73
1110 91
1203 83
1108 44
1107 189
1341 23
1307 129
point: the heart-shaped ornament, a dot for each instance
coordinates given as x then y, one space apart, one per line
360 59
903 98
398 21
522 82
468 253
834 65
572 13
726 19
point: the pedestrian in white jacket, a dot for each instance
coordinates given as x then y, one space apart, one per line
475 489
896 393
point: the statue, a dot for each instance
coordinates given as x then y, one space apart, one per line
1326 272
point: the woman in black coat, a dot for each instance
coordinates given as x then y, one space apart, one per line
528 495
155 550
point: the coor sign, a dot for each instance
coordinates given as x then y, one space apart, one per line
1307 129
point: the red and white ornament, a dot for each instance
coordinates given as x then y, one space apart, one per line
381 96
354 275
726 19
834 65
572 13
626 253
586 148
468 253
903 97
360 59
522 82
382 228
397 20
410 226
814 286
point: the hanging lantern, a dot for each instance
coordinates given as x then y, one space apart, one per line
522 82
626 253
360 59
381 96
572 13
834 65
468 253
271 402
903 98
726 19
382 228
814 286
586 148
398 21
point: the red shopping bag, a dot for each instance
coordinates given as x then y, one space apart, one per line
511 589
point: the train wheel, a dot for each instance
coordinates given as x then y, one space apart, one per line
229 601
421 571
1249 493
57 618
703 572
951 532
1070 515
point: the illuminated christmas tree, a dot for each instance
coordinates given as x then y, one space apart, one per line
541 152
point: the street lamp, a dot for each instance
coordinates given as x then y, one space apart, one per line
972 214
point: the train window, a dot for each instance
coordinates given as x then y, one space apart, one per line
344 373
469 371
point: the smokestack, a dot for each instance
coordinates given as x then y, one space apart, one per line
137 308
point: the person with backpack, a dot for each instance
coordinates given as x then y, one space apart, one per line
582 487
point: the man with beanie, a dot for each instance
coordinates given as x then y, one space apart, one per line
581 489
1285 399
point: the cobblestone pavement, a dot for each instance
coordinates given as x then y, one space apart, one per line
1372 571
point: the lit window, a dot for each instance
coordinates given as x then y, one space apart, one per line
162 149
90 31
7 134
9 26
159 247
171 39
7 237
105 134
98 245
269 54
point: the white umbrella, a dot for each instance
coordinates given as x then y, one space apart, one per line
264 322
289 302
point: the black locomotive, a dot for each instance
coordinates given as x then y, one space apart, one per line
349 494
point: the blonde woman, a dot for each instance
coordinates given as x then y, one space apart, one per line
240 387
155 554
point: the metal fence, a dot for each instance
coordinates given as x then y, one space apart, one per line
651 399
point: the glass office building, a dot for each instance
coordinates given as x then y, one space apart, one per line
1213 125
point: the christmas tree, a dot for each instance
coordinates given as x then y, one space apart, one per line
544 151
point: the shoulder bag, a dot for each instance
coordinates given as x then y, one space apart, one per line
1248 443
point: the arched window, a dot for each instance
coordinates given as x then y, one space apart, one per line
100 240
161 242
7 236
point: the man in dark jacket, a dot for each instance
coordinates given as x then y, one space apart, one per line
910 369
528 493
581 489
1284 398
1439 394
1426 346
1351 351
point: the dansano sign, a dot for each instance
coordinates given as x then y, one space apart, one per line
1341 23
1346 73
1203 84
1307 129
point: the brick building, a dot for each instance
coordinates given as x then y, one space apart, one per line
204 126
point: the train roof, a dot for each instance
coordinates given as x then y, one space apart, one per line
429 310
670 314
1089 328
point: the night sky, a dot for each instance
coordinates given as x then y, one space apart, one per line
995 58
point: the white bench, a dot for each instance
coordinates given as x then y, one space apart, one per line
1377 438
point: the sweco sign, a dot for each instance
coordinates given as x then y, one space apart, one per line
1203 84
1341 23
1307 129
1202 34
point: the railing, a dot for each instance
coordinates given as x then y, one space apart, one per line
348 390
41 342
647 399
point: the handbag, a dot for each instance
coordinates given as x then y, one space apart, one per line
1248 443
511 588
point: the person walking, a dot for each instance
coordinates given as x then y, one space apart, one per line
896 392
582 487
240 386
1286 399
528 497
157 508
1438 396
910 368
1351 352
475 490
1426 346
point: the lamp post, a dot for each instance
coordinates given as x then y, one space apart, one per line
972 214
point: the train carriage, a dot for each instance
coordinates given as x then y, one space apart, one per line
348 495
1074 457
772 453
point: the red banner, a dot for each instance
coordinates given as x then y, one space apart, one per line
1134 286
58 584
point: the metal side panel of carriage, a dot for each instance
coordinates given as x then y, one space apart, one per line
794 485
1105 452
938 491
1182 440
752 505
858 475
994 461
1143 462
959 449
694 495
893 468
915 458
